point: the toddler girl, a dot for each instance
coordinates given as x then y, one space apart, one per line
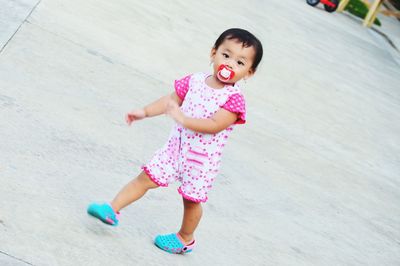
206 108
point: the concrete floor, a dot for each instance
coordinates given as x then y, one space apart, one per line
311 179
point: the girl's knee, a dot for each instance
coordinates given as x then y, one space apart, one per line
189 203
145 180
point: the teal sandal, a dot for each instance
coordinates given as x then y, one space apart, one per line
173 243
104 212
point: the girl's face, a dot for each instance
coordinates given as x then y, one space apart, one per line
236 58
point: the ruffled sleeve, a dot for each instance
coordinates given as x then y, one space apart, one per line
182 86
236 104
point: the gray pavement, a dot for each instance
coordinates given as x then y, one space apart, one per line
311 179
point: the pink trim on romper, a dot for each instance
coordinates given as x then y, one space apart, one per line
152 178
198 153
190 198
182 86
194 161
236 104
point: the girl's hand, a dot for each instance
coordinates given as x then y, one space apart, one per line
134 116
175 112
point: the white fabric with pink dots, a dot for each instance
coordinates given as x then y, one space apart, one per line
190 157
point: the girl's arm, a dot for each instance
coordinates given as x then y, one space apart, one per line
160 106
156 108
218 122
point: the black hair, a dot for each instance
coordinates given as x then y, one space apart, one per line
246 38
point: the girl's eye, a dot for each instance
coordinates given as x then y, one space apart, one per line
240 63
225 55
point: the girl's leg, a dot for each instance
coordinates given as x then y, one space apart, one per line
191 218
132 191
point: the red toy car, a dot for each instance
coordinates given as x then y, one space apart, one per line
329 5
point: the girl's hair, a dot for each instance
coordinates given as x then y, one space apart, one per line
246 38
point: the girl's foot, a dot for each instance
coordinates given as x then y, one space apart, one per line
173 243
104 212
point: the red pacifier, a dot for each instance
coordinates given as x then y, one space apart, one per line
225 73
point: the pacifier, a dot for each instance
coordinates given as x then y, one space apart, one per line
225 73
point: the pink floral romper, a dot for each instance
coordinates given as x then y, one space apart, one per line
191 157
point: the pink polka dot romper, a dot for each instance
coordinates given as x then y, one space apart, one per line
190 157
